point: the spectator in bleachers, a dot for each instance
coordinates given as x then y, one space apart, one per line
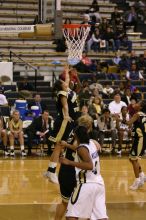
85 64
120 25
108 91
116 105
84 110
94 6
87 20
130 86
121 39
115 15
37 102
3 99
109 37
99 71
107 129
124 131
131 18
94 42
133 57
96 92
85 93
95 107
116 58
134 73
121 88
128 95
124 63
94 12
15 131
3 136
39 129
96 85
104 24
141 63
85 59
140 7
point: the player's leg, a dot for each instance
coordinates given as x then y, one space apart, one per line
62 133
60 210
135 153
51 171
99 207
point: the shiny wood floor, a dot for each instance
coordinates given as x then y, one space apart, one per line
26 195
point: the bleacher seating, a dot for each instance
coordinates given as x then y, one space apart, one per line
40 51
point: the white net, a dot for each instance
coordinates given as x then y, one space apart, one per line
75 36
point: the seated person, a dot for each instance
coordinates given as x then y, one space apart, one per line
107 91
37 102
123 129
109 37
134 73
15 131
3 99
3 136
106 129
96 107
39 129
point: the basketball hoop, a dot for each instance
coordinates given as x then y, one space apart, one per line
75 35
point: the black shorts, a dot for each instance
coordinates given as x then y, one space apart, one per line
61 131
67 181
138 148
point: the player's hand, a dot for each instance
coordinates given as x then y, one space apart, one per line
63 144
66 68
68 118
64 161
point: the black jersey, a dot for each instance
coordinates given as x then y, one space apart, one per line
139 126
59 106
73 105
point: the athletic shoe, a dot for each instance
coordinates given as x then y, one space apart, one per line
119 152
23 153
12 153
137 184
142 177
6 153
51 176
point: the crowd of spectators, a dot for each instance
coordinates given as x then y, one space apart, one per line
110 105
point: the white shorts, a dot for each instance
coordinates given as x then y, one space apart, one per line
87 201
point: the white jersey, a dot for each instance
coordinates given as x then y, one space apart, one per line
89 176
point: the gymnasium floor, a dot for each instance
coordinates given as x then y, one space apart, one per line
26 195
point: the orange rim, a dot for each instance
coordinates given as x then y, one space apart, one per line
75 25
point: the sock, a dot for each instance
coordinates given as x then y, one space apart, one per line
138 179
52 167
12 148
141 174
22 147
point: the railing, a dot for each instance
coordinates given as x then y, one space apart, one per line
28 64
